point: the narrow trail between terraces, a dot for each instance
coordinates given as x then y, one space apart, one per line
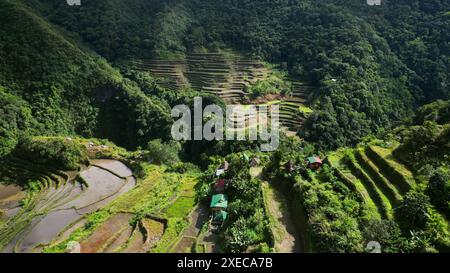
287 236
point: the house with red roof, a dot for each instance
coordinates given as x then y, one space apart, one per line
314 163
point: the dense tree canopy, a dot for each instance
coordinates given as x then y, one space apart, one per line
68 70
371 65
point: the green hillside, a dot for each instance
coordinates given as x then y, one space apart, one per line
86 94
366 68
69 89
393 190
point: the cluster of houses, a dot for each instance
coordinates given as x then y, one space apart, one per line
313 163
219 200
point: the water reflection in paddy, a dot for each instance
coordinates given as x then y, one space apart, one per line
67 204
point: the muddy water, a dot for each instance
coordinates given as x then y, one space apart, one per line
10 195
102 184
55 198
70 193
68 204
129 184
114 166
11 212
48 228
8 190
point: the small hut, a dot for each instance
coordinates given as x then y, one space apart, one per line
225 166
219 202
219 217
314 162
255 162
220 186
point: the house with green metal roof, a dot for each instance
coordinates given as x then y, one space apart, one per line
219 202
220 217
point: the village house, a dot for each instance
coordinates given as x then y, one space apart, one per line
223 168
219 202
314 162
219 217
255 162
220 186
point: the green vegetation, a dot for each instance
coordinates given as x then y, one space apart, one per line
439 189
247 223
367 194
275 84
16 118
174 228
160 194
371 66
93 221
56 152
73 91
375 81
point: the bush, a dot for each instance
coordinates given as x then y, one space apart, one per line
387 233
412 214
52 152
262 248
439 189
163 153
331 216
182 167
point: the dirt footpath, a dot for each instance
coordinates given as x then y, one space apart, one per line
287 238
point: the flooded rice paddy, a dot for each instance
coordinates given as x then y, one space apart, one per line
57 209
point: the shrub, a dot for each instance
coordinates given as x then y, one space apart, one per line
439 189
182 167
163 153
412 214
386 232
52 152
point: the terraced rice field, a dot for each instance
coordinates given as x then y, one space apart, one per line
149 218
96 208
10 197
379 181
60 201
170 74
196 216
112 234
227 75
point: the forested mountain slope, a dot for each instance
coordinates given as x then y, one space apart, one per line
67 77
372 65
54 86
